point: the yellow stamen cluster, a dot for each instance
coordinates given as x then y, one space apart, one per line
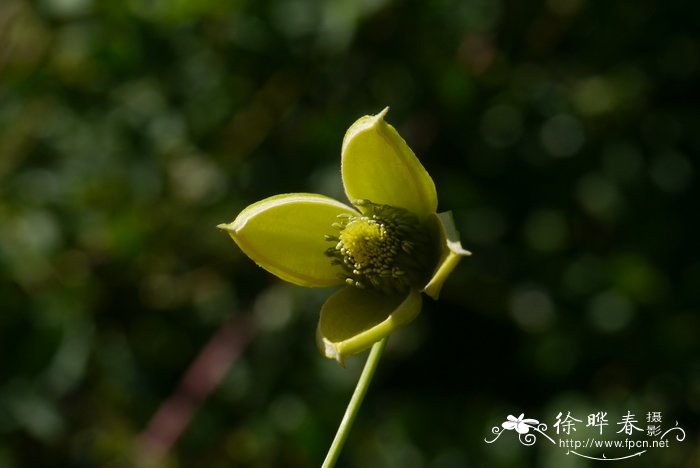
368 246
384 249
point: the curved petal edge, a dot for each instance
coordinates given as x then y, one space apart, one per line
284 234
352 320
452 253
378 165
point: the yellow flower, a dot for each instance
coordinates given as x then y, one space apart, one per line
387 248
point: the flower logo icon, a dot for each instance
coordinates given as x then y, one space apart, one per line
521 425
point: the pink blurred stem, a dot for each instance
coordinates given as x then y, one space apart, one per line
202 378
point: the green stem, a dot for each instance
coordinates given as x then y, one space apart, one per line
355 403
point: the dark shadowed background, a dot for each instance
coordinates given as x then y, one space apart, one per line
561 133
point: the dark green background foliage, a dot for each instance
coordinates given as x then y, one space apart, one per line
561 133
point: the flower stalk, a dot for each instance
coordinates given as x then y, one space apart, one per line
355 402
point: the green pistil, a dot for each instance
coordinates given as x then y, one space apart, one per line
386 248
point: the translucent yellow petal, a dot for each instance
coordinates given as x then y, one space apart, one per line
378 165
284 234
354 319
452 253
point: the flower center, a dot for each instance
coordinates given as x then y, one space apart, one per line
386 248
368 243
